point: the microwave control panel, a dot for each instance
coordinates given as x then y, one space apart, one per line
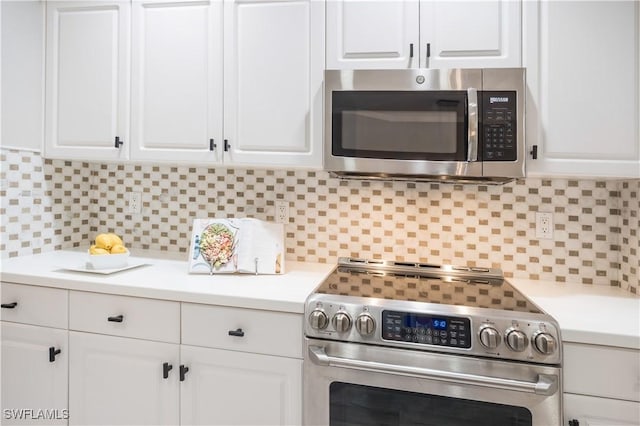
498 126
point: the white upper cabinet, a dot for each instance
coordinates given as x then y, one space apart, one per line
273 71
423 34
470 34
176 80
372 34
87 79
582 73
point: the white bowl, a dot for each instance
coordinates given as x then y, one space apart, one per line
109 261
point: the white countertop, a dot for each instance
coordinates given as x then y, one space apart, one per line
592 314
168 279
586 313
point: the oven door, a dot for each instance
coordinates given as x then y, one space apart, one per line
402 122
355 384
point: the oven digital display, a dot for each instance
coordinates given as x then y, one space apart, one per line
426 329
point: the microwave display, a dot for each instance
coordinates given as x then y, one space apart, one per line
400 125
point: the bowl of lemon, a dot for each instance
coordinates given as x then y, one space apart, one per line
108 252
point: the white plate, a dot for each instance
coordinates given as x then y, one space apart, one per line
86 267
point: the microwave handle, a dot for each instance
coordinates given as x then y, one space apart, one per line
472 137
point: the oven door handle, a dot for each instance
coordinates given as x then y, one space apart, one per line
472 114
547 384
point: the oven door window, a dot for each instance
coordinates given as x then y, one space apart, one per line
360 405
417 125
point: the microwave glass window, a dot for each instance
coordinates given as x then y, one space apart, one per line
432 131
352 404
429 125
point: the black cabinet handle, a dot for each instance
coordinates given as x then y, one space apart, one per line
411 50
117 318
183 371
212 145
227 145
574 422
9 305
534 155
166 367
118 143
52 353
238 332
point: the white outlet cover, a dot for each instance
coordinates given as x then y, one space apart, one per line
544 225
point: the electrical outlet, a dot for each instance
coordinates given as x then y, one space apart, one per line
135 203
544 225
282 212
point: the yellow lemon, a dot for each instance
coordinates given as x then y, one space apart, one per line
104 241
97 250
118 248
115 240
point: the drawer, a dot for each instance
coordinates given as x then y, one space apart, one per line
602 371
248 330
33 305
125 316
595 411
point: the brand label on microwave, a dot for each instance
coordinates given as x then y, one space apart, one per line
498 99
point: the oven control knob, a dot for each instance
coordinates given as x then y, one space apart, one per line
341 322
516 340
318 319
489 337
544 343
365 324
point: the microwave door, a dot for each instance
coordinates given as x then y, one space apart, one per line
405 132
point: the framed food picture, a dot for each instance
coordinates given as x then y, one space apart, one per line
243 245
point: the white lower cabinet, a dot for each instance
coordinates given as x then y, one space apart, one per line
34 375
234 388
35 351
153 362
601 385
116 380
595 411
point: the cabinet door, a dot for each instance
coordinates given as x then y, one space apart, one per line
274 60
582 73
116 380
594 411
227 387
176 80
372 34
87 79
30 381
470 34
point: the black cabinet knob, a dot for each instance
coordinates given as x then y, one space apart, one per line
574 422
166 367
118 142
117 318
53 352
237 333
183 371
9 305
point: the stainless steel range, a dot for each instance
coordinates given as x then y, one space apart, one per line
404 344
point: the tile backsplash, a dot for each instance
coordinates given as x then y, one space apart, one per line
52 204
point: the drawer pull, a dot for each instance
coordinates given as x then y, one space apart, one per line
166 367
183 372
238 332
53 352
9 305
117 318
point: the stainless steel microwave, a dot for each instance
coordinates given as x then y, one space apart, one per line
425 124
